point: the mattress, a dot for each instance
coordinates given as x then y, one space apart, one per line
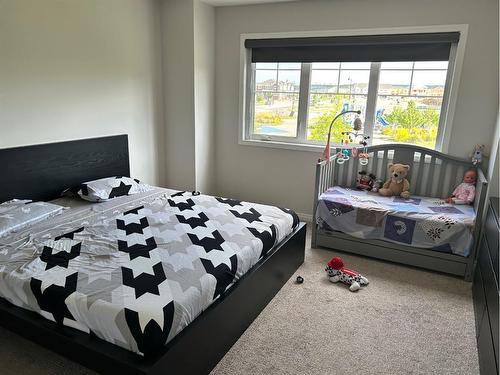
428 223
136 270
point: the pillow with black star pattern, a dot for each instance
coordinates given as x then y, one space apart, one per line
108 188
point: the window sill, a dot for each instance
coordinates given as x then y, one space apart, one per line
282 145
311 147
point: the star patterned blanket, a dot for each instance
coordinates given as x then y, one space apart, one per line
428 223
136 270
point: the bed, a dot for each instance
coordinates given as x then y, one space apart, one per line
207 268
422 231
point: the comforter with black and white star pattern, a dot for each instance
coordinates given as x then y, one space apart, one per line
137 271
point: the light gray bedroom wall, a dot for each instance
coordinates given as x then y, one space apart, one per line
494 178
493 172
189 74
286 177
494 165
178 87
78 69
204 81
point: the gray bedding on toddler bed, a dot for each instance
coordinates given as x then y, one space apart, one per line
422 222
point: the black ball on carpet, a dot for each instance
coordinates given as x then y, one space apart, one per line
299 280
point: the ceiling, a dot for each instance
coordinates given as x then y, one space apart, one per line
241 2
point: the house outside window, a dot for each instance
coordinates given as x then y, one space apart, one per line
401 101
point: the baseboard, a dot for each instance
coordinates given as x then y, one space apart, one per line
305 217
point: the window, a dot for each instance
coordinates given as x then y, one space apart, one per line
334 87
409 102
276 98
400 101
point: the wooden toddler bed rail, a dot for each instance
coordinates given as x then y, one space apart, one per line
432 174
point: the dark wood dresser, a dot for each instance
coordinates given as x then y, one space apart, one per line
485 292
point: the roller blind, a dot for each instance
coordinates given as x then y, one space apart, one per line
393 47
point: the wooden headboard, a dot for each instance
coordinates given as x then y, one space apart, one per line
42 172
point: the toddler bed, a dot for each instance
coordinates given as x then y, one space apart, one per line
422 231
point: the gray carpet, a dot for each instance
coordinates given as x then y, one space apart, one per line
407 321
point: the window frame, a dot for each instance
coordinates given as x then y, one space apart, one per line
300 142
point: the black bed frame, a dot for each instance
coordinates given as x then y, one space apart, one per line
42 172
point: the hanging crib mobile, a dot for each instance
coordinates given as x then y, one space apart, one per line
355 135
345 152
363 156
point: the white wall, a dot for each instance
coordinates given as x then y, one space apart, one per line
493 166
286 177
178 81
189 71
78 69
494 176
204 82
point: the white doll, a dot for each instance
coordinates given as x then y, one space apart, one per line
466 191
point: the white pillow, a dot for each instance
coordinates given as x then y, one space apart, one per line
109 188
18 214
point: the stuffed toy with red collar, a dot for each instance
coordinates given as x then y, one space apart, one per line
365 180
337 272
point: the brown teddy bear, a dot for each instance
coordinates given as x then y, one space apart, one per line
397 184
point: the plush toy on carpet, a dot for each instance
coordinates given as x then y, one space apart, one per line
337 272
